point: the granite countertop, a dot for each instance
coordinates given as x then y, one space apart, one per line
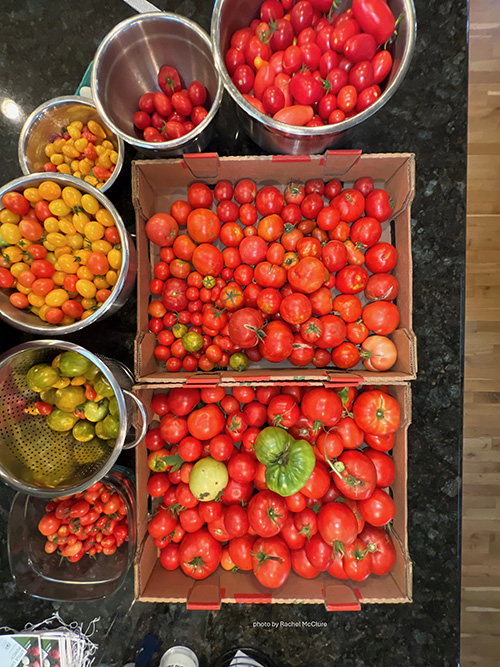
44 51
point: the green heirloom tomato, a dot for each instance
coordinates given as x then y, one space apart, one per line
111 427
41 376
90 375
102 386
289 462
192 341
238 361
207 479
72 364
61 421
113 407
94 412
48 396
69 398
89 452
83 430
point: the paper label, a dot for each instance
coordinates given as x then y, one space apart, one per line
19 650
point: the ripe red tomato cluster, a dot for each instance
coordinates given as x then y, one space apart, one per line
300 275
90 522
172 112
305 64
335 523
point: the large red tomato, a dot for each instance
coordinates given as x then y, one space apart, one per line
203 226
308 275
352 279
270 275
269 200
173 295
334 256
381 317
322 405
378 509
358 476
350 203
208 260
207 422
271 561
337 523
379 353
302 565
253 250
162 229
376 412
267 513
295 308
379 544
277 343
181 400
245 326
199 554
333 331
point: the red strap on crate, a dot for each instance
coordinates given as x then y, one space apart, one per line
291 158
250 598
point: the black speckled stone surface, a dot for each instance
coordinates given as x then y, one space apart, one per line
44 51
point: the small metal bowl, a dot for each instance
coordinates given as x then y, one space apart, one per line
49 119
126 66
31 323
274 136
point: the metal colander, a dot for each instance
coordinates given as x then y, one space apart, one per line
36 459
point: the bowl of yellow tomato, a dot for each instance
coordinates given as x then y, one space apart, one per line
67 136
66 258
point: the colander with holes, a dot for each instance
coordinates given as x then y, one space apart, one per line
42 462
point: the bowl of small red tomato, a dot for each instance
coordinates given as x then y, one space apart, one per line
155 83
303 74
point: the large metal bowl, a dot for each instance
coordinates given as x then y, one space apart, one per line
126 66
27 321
48 119
276 137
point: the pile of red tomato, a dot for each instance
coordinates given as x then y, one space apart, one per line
172 112
303 63
335 523
298 275
90 522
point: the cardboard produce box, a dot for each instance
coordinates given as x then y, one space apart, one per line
156 184
155 584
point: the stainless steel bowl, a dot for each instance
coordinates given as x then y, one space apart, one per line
48 119
276 137
126 66
27 321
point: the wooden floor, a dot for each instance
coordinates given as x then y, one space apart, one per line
481 498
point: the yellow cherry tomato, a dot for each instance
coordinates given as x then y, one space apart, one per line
85 166
66 320
59 207
84 254
70 151
80 219
56 298
36 300
77 123
63 381
56 159
101 246
86 288
77 174
62 250
99 185
23 289
58 144
115 258
69 263
64 169
90 204
71 196
49 150
49 190
91 179
81 144
113 157
112 277
86 314
75 241
96 129
18 268
67 227
75 164
104 217
55 239
50 257
32 194
13 254
58 277
84 273
74 132
42 311
99 149
100 282
107 144
10 233
78 381
89 304
49 246
7 216
51 224
94 230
